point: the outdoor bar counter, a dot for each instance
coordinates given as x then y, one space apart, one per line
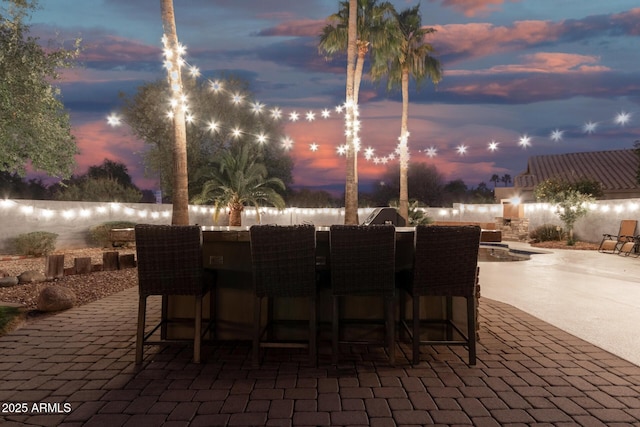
227 250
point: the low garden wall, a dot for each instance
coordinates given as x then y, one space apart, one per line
72 220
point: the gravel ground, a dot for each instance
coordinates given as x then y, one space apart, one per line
87 287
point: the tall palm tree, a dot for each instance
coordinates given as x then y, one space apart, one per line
410 56
495 179
356 28
239 179
180 196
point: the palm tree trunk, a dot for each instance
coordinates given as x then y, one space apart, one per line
235 217
351 184
180 200
404 149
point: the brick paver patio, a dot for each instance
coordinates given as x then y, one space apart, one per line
528 373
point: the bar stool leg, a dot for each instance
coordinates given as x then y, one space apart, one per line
197 338
313 331
142 308
471 328
416 329
390 317
257 319
335 328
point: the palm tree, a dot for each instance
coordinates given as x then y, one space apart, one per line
356 28
495 179
410 56
238 180
180 196
506 179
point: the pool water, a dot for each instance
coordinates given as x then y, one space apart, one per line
502 254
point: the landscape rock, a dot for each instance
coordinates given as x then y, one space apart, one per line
8 281
56 298
31 276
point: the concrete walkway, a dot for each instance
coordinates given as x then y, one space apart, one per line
79 363
595 296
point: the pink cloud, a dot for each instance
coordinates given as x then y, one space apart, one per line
111 48
473 7
544 62
296 28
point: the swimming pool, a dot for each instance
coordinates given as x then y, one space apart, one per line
502 253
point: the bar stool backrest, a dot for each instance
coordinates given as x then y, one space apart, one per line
169 259
283 260
446 260
362 259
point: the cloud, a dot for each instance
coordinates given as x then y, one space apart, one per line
296 28
543 62
473 7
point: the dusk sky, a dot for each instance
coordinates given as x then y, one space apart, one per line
535 76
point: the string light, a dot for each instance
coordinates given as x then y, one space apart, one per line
352 123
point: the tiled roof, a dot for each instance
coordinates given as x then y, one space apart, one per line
615 169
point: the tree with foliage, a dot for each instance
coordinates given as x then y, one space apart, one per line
13 186
108 182
34 126
425 185
570 204
506 179
409 56
145 113
237 180
99 190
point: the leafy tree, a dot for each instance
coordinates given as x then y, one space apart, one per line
570 203
307 198
425 185
239 179
15 187
409 56
145 112
34 127
99 190
110 169
636 148
482 194
455 191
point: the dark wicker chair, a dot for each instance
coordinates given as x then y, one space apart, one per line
283 260
170 263
362 260
445 265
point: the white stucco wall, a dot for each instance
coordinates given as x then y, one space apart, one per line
72 220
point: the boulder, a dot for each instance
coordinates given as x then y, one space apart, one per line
31 276
8 281
56 298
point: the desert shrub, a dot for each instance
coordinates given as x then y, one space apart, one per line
546 233
36 243
99 234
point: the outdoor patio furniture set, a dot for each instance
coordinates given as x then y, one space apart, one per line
625 243
285 264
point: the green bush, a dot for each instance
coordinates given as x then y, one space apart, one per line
99 234
36 243
547 233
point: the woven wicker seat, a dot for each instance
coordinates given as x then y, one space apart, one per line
283 260
362 262
445 265
170 263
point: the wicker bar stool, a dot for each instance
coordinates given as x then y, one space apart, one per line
362 260
170 263
283 260
446 265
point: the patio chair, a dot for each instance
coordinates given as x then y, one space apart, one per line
362 263
170 263
284 265
630 246
611 243
445 265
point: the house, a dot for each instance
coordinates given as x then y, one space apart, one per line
615 169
